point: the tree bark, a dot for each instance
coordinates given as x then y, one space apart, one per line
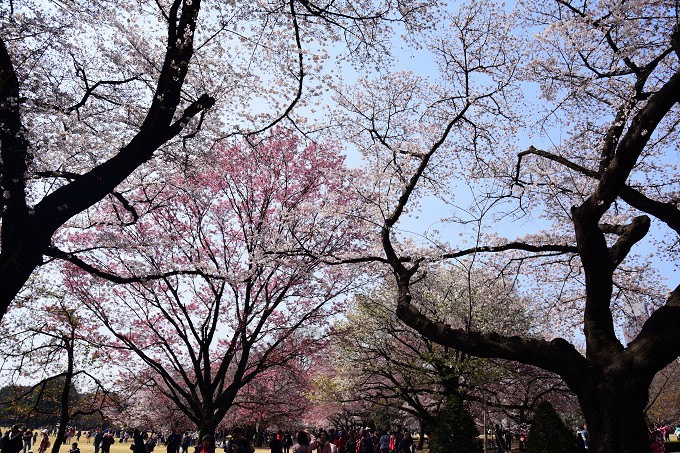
64 402
614 411
27 231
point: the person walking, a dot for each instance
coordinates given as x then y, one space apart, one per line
656 440
138 444
107 441
173 442
582 439
44 442
287 442
500 439
383 442
97 440
366 442
27 436
275 445
341 442
407 442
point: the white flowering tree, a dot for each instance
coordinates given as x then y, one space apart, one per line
609 85
94 92
79 114
393 365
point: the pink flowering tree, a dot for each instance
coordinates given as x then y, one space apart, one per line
148 408
222 278
278 398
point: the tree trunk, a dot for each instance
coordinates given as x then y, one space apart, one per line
24 243
259 438
421 441
64 402
208 425
614 411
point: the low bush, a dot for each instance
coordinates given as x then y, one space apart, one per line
672 446
548 433
455 431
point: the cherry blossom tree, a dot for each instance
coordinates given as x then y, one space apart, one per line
51 93
664 395
209 289
391 364
277 398
608 77
92 94
149 409
46 347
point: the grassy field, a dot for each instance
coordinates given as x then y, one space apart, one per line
115 448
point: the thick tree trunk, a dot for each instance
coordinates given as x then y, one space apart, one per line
15 269
21 255
614 412
208 425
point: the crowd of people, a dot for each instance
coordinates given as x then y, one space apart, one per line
332 441
503 439
658 435
321 441
17 440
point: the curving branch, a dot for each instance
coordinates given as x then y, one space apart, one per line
667 212
557 356
630 235
72 258
26 233
300 75
659 334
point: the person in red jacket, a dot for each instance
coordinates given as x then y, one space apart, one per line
340 442
207 445
107 441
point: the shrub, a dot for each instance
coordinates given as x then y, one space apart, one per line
548 433
455 431
672 446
